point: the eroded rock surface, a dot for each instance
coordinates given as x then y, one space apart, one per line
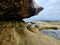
17 9
17 33
13 31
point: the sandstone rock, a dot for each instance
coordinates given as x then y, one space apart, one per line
17 33
13 31
17 9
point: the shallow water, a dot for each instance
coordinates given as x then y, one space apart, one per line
52 33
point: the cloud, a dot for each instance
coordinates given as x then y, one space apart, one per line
51 10
53 1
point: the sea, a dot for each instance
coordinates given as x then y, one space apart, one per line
52 33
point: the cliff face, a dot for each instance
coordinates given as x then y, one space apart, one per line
17 33
13 31
17 9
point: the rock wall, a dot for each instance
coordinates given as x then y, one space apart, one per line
17 33
13 31
17 9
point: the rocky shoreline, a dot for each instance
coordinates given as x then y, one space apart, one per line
46 24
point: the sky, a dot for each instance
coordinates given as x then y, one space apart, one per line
51 10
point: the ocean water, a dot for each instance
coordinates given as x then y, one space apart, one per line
52 33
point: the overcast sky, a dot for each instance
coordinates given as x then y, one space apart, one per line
51 10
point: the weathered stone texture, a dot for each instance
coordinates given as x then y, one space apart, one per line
17 9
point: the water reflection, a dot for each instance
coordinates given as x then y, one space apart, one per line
52 33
